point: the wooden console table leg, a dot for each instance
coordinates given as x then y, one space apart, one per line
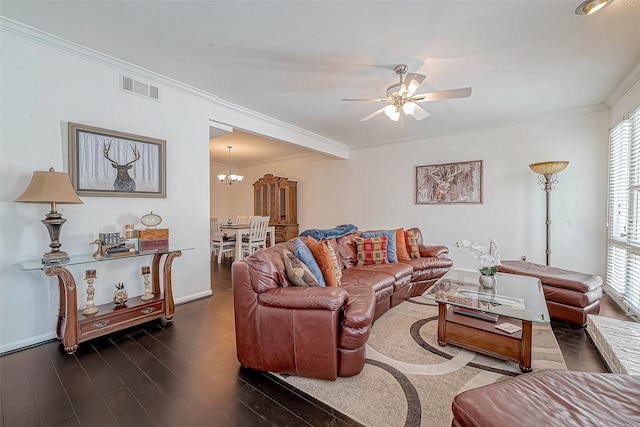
168 292
442 324
525 346
155 274
68 308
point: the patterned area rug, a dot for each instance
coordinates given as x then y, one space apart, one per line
409 380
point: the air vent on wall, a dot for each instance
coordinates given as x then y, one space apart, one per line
137 87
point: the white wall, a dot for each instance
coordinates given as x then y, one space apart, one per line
375 189
43 88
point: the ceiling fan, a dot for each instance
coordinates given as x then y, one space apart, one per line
402 97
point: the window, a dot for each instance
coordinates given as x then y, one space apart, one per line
623 241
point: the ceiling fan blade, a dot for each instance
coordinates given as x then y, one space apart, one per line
419 113
372 115
441 95
367 99
412 81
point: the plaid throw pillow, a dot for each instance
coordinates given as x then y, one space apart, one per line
372 250
412 244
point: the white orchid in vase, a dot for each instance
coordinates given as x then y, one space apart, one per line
488 260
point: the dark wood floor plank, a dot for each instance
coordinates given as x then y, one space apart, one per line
97 369
51 398
126 409
18 401
266 407
82 392
304 408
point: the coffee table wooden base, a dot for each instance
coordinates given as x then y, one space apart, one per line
483 337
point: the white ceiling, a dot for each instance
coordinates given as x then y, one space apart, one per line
295 60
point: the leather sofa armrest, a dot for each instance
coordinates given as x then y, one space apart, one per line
315 298
433 251
360 306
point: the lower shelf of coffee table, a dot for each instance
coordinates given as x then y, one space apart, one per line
483 337
111 317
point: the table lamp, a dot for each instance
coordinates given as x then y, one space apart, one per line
51 187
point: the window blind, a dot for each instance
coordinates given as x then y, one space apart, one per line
623 234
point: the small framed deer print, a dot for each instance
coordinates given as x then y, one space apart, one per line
449 183
108 163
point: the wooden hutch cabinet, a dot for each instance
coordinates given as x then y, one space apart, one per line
276 197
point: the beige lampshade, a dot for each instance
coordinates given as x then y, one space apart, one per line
49 187
546 168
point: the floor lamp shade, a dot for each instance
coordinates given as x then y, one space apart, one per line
51 188
548 178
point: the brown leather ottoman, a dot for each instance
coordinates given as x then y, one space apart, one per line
551 398
570 295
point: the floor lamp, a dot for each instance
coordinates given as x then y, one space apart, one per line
548 178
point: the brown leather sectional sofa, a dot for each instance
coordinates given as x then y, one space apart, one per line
321 332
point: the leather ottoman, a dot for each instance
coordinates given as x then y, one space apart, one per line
551 398
570 295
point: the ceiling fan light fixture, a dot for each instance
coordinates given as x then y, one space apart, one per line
409 108
589 7
392 112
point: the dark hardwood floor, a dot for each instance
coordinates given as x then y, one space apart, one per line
181 374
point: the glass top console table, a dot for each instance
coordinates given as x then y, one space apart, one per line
469 315
74 327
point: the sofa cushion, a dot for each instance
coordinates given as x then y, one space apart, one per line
303 253
372 250
347 249
401 246
297 271
391 242
412 244
323 258
381 283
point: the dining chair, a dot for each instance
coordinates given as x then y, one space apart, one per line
257 235
243 219
219 243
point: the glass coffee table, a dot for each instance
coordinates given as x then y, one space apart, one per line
471 316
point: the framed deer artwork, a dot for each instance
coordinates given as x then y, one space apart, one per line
449 183
109 163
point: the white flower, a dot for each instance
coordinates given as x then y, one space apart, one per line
490 259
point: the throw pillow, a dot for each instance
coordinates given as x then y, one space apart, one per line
391 242
336 265
372 250
323 258
412 244
401 246
297 272
303 253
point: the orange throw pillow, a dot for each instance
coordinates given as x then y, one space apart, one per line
401 246
323 258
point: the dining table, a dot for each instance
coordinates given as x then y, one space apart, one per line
244 229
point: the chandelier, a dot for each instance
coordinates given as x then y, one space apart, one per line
230 178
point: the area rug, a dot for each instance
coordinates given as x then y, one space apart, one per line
409 380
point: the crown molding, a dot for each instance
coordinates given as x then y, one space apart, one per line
624 86
35 35
223 113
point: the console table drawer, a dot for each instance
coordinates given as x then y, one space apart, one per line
110 317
